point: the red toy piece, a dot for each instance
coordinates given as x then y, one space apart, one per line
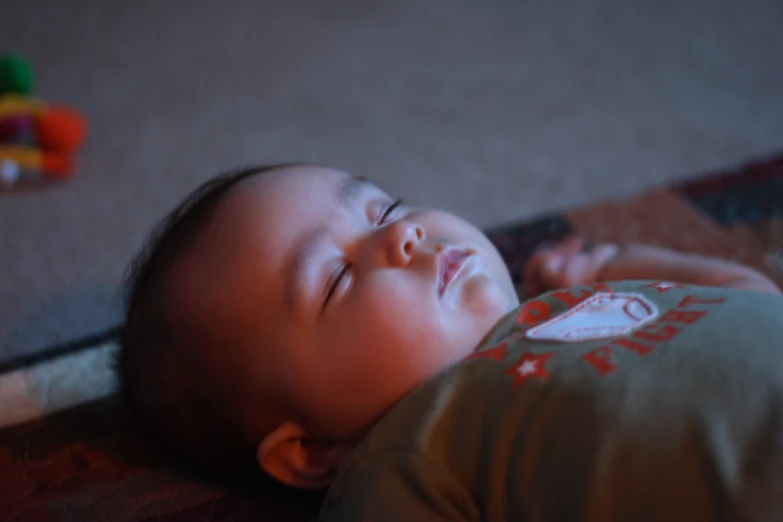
61 129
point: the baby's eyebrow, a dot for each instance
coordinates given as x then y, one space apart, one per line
350 189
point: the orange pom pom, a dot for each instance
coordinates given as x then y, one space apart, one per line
61 128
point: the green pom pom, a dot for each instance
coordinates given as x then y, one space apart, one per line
16 75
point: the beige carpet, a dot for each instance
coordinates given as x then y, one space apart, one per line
495 110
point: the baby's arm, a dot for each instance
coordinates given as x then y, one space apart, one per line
574 262
646 262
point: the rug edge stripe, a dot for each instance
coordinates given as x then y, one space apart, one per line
56 384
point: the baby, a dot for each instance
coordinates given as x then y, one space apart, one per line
299 319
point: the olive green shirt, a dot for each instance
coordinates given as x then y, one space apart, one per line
631 402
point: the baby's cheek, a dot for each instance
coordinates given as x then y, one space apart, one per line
483 297
395 303
396 323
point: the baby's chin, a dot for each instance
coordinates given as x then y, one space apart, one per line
487 317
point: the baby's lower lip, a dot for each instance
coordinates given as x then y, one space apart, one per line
451 263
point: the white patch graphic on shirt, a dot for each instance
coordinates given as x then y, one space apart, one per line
606 314
528 367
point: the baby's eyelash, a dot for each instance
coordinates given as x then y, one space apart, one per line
391 209
336 283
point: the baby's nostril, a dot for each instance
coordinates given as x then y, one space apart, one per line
419 233
407 247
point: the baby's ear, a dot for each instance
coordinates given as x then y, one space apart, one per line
289 455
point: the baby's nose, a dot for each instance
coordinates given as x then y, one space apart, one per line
404 238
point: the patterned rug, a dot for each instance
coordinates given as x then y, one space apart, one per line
91 463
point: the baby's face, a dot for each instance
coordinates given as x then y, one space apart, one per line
341 300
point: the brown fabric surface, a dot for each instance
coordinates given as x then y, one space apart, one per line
664 218
92 462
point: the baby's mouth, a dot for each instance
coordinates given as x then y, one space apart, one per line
450 262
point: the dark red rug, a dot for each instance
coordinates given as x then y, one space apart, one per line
92 464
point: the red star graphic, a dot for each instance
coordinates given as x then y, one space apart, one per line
664 286
530 365
496 352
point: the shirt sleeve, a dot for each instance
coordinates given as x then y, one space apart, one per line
397 485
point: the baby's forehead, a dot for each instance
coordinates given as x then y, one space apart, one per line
262 220
295 197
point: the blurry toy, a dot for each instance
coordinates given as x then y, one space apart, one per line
38 140
56 127
58 165
9 172
12 103
16 75
17 128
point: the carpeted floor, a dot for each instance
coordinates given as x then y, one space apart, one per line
494 110
92 463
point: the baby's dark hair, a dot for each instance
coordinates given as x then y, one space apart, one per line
165 369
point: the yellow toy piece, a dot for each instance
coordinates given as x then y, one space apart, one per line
25 157
54 164
14 104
